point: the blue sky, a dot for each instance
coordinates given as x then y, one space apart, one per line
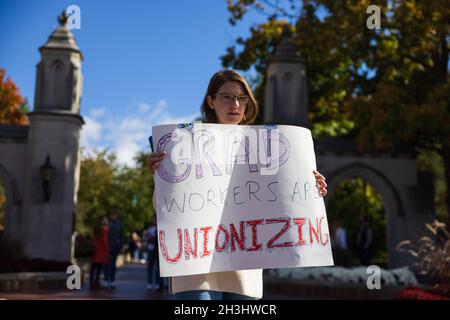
145 62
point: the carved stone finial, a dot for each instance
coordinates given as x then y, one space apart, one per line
62 19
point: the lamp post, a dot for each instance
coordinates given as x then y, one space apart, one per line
46 175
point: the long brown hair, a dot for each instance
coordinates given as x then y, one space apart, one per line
217 80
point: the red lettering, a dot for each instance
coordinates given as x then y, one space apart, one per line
286 227
188 246
300 222
205 252
222 228
255 245
313 231
162 240
234 236
237 238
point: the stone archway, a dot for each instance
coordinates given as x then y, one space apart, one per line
44 225
407 193
390 196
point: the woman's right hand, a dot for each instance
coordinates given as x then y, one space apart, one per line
154 160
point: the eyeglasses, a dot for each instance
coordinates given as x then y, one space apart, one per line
228 98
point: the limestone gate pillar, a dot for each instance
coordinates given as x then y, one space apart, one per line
54 132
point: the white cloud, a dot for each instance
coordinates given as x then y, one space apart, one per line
144 107
159 108
90 134
127 135
98 112
126 149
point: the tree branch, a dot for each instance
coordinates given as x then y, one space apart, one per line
279 9
414 59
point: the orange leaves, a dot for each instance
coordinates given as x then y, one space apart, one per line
11 102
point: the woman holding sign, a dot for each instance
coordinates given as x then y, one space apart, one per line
228 100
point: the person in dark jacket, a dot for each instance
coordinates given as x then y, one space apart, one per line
116 239
364 241
154 281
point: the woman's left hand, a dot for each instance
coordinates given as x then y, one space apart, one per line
321 184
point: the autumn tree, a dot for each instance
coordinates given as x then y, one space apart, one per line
13 107
388 88
106 185
13 110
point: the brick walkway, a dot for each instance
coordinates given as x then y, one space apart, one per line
130 284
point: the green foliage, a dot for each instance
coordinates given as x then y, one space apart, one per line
105 185
351 199
345 60
387 88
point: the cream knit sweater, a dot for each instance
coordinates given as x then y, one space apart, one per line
246 282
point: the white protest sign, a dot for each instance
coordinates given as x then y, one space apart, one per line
235 197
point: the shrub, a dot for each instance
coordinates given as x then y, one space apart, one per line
433 256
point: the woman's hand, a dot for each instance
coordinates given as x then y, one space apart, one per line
320 180
154 160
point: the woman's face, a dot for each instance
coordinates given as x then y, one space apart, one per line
229 103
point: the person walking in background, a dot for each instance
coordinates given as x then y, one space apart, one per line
145 245
101 253
116 239
340 248
154 281
134 246
364 241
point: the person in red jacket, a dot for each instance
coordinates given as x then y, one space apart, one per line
101 253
